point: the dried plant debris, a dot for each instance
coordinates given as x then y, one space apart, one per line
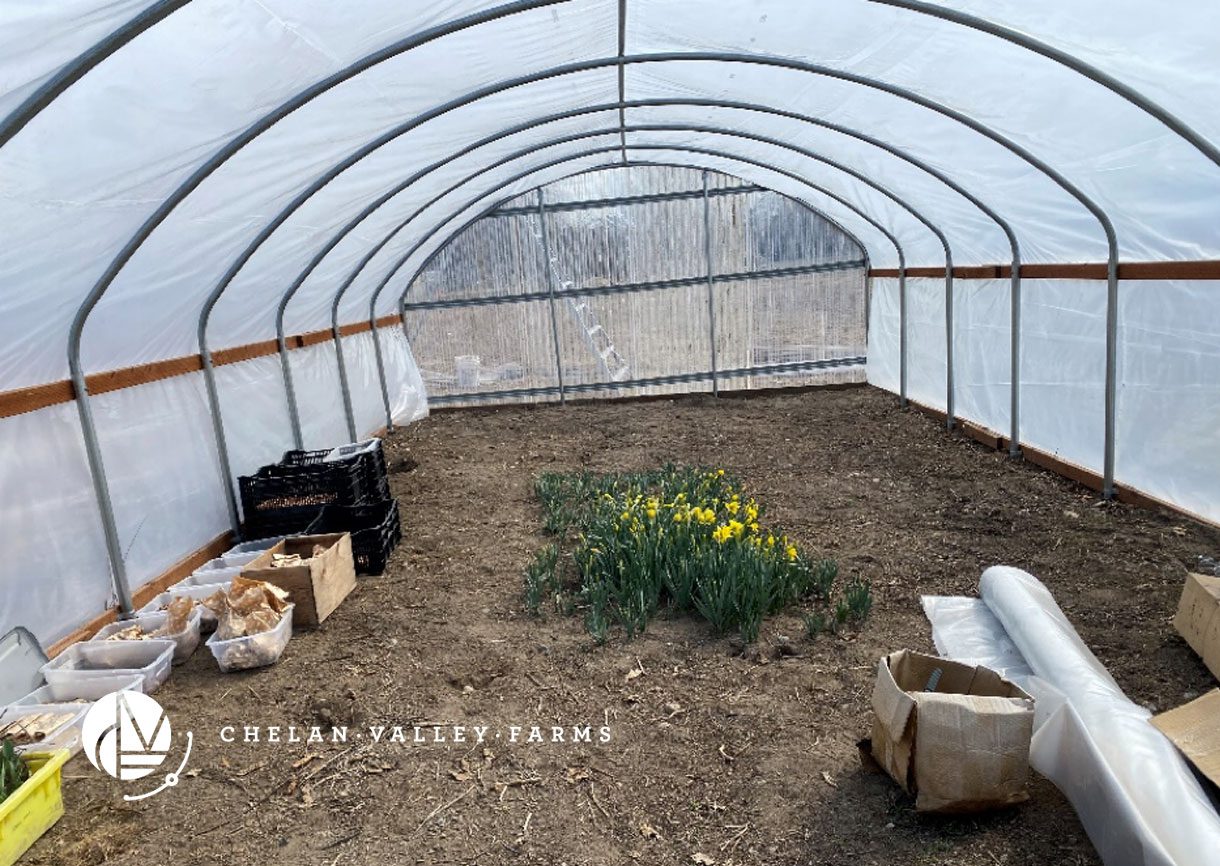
179 610
28 730
249 607
290 560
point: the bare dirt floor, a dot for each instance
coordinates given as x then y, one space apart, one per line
716 755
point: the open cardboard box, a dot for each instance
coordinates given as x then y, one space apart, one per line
320 583
960 747
1198 619
1195 729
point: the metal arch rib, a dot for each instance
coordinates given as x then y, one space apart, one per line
78 67
1071 61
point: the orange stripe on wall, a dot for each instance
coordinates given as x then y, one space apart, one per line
23 400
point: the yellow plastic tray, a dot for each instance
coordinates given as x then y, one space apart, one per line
34 808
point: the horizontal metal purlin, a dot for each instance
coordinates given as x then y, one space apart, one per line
629 288
594 203
676 379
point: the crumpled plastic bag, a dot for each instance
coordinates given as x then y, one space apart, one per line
249 607
178 611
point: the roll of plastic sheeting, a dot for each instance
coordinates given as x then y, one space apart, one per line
1134 793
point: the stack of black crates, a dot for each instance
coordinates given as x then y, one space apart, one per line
346 489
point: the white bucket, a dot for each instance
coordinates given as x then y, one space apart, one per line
467 369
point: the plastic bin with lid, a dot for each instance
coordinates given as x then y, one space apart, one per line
106 663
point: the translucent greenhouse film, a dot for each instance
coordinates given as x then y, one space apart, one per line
649 287
230 230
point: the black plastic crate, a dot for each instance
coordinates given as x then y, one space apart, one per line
375 529
284 503
369 466
280 521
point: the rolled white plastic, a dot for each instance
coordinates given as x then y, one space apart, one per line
1133 791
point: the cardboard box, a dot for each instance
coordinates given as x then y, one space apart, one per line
1195 729
1198 619
319 584
963 747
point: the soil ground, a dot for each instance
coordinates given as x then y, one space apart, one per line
741 757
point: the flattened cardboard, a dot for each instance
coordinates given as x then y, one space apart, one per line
1198 619
1195 729
317 586
961 748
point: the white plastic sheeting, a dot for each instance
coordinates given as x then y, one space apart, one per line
164 474
100 159
1168 372
1135 794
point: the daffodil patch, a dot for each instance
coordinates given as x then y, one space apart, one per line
679 539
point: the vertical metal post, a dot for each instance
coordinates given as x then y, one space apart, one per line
868 300
402 305
902 329
711 282
1111 371
101 489
550 287
290 392
1014 331
343 385
385 389
218 427
949 419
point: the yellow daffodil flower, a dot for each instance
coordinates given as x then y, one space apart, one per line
791 551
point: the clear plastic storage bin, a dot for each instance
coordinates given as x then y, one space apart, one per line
255 650
249 548
215 571
65 735
49 694
185 641
207 619
105 665
240 560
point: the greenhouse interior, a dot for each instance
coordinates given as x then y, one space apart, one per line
610 431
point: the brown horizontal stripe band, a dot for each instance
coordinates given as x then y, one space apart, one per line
1201 270
23 400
